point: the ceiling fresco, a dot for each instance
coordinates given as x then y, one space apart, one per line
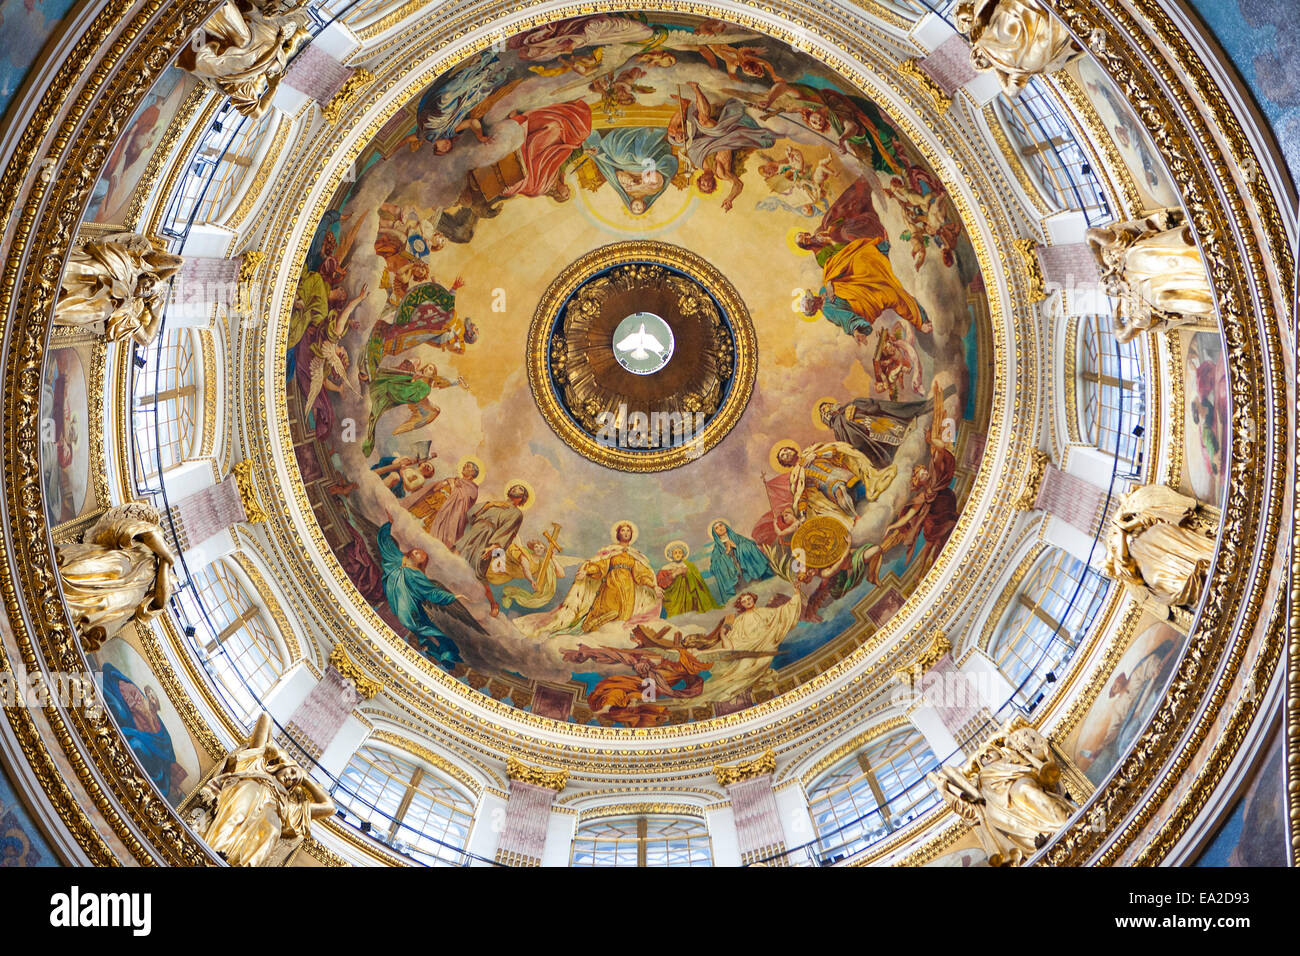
575 585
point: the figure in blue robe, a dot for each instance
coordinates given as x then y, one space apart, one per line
736 561
408 591
636 161
134 711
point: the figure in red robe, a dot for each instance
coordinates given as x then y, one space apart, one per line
553 133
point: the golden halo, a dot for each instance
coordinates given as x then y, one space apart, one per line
532 495
668 549
816 411
477 463
730 527
613 531
771 456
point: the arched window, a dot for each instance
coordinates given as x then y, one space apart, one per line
1048 149
642 841
1048 620
1112 402
236 641
165 410
241 154
407 805
868 796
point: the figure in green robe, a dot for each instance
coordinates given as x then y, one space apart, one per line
684 589
409 384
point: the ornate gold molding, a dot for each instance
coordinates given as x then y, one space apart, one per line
243 472
764 763
538 777
1032 268
357 80
912 68
1038 463
703 292
640 810
366 687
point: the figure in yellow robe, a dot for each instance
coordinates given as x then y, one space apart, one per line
627 587
859 274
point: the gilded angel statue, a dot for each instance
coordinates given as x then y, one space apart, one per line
1160 545
1154 267
120 280
1015 39
1010 793
120 571
243 50
260 804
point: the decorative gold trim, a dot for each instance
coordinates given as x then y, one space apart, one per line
727 774
1070 380
1038 463
1031 268
538 777
912 68
641 809
939 646
208 349
243 472
248 264
366 687
347 94
1176 362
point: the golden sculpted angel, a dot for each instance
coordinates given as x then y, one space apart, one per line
119 280
242 51
260 801
1160 545
1154 267
1010 793
120 571
1016 39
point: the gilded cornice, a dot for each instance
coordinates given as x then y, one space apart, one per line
641 810
1032 268
912 69
243 472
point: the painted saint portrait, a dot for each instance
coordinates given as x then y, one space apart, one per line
65 439
148 721
1130 137
111 198
1205 391
1127 701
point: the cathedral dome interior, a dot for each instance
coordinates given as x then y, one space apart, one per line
450 433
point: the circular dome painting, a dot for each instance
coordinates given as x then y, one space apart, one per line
779 261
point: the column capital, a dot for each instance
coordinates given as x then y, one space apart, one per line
1038 462
365 686
727 774
243 473
537 776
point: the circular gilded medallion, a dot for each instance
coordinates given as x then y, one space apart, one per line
823 541
641 356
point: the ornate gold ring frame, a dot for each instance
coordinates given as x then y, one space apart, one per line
699 271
